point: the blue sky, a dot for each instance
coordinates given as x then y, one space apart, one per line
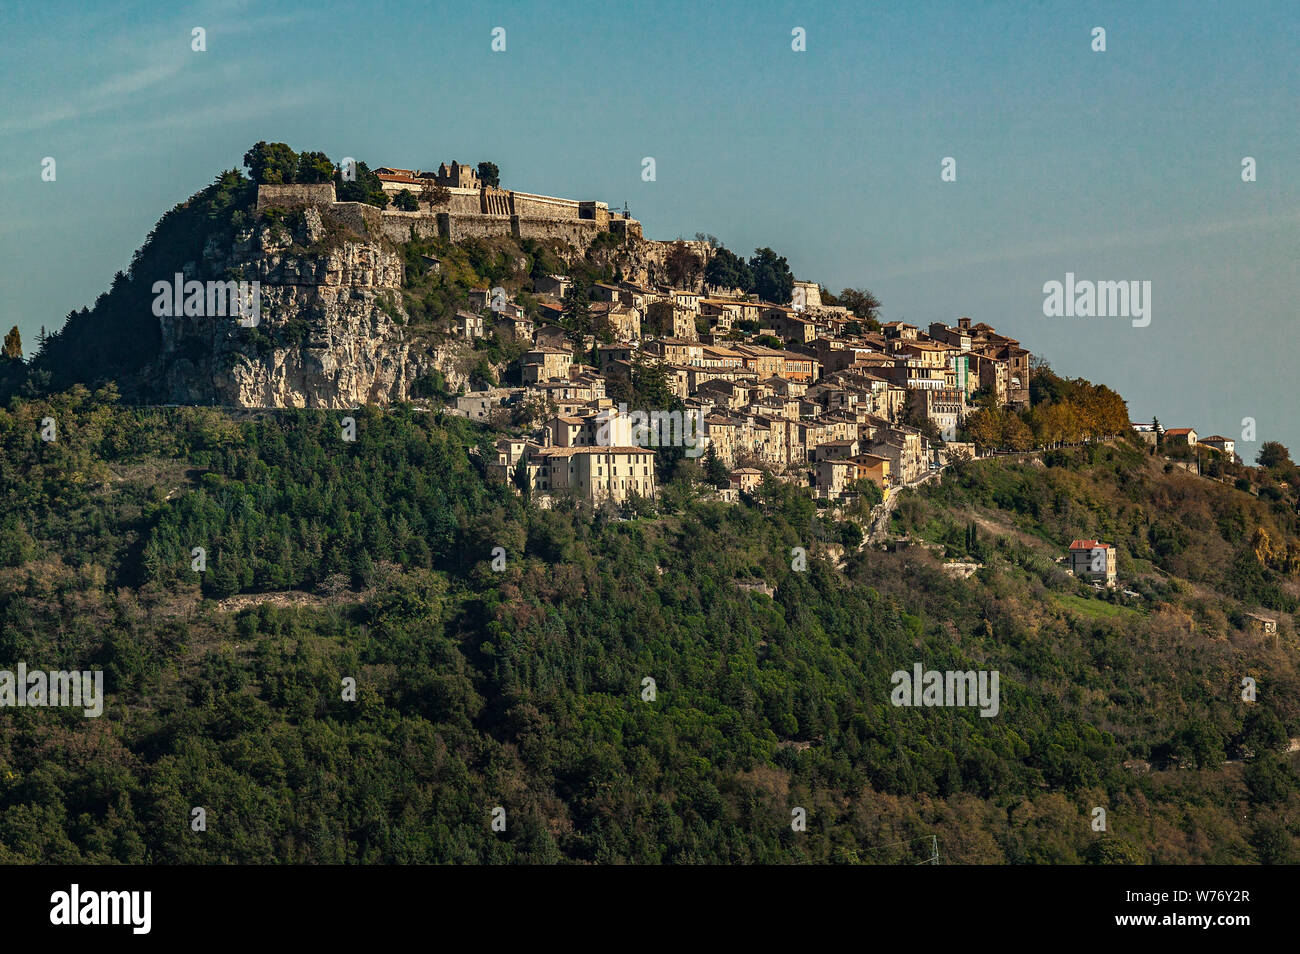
1114 166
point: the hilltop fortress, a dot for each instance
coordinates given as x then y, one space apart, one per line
470 209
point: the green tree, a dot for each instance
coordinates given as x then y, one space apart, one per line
864 305
727 270
434 194
271 162
489 174
1199 743
715 471
773 279
521 476
871 494
314 167
1274 456
405 201
1112 851
366 187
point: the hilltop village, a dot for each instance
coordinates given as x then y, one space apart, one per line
815 402
804 389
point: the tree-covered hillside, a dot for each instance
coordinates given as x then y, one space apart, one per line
524 688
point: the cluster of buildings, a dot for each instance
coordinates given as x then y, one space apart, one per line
1155 435
470 207
453 203
806 394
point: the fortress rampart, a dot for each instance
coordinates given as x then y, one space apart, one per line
480 212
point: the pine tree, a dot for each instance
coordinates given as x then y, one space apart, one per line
521 477
715 471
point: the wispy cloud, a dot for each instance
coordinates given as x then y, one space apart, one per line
137 138
162 56
1084 244
111 93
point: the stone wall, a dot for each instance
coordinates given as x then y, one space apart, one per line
463 202
495 202
597 212
470 213
527 205
294 194
401 226
625 227
577 232
459 227
361 218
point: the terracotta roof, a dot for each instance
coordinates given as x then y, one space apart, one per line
1179 430
1089 545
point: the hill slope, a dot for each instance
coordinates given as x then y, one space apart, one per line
524 688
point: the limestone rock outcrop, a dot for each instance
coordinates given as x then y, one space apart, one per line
331 330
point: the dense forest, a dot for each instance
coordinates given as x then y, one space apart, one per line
360 650
520 683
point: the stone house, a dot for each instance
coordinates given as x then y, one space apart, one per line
747 479
1093 560
1224 445
1261 625
593 474
546 364
468 324
555 285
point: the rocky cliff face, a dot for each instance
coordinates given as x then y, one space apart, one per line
644 261
331 331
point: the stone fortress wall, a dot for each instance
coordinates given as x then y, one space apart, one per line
473 210
295 194
479 212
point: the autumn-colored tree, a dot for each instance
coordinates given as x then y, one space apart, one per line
984 428
1016 434
434 193
682 265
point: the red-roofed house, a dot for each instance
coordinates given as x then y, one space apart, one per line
1224 445
1181 435
1093 560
